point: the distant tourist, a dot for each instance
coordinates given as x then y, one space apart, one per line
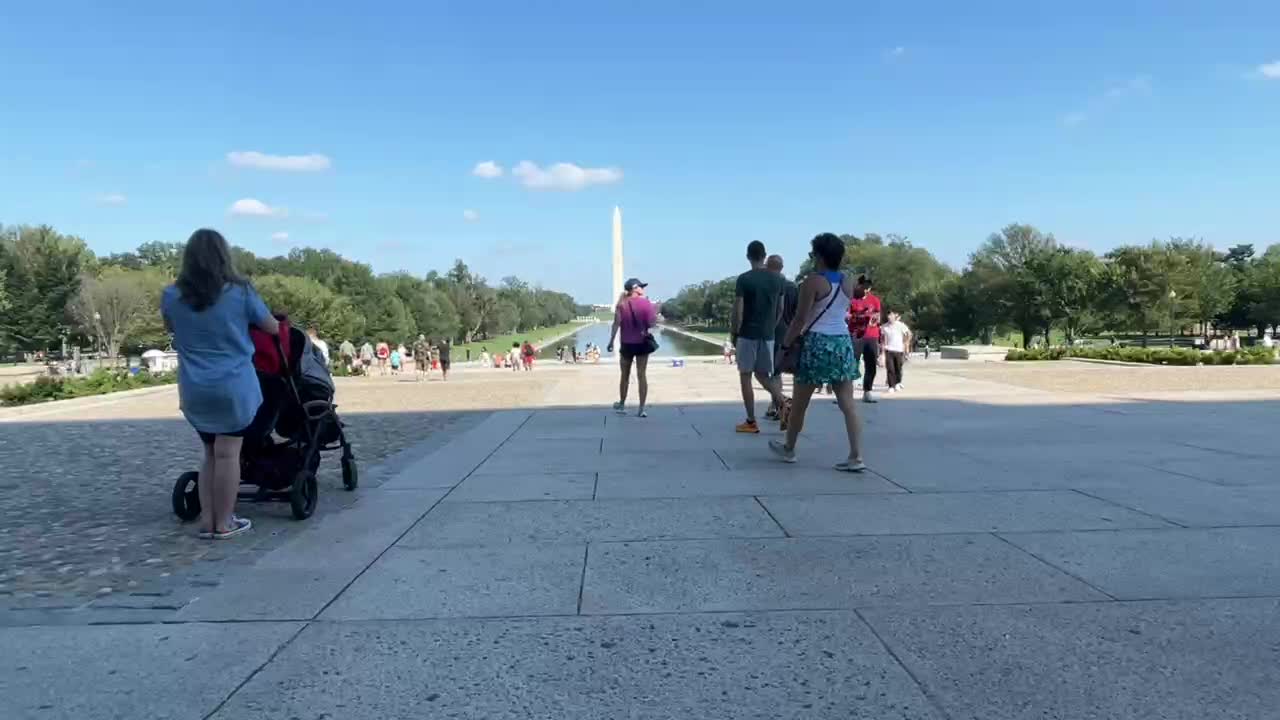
789 299
383 352
421 359
560 353
527 354
485 360
635 318
897 338
314 333
513 357
209 310
366 357
728 352
756 310
446 352
396 358
347 354
826 353
864 326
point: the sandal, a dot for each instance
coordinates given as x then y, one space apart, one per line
238 525
854 466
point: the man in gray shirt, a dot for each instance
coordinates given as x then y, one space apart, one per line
756 312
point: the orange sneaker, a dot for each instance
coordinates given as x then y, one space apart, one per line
748 427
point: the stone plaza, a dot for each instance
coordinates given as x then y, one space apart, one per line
1061 541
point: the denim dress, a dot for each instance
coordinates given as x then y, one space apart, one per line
218 389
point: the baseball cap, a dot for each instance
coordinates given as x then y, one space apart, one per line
634 283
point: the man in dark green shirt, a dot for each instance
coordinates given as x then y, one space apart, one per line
756 313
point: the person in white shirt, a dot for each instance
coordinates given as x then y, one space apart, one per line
895 338
321 345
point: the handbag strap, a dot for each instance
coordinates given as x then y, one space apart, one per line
835 290
632 310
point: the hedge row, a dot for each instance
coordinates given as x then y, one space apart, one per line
1154 356
100 382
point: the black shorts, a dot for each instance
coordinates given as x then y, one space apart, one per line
444 364
634 350
257 428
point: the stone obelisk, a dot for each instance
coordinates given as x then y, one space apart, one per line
617 254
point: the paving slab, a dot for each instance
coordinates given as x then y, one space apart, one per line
1197 503
169 672
506 581
770 481
579 521
270 593
1189 660
525 486
791 666
817 573
357 535
1224 469
1156 564
974 512
657 460
447 466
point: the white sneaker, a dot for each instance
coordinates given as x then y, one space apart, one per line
898 387
891 391
867 397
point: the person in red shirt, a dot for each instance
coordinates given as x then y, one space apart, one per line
864 326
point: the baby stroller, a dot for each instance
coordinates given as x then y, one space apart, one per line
297 403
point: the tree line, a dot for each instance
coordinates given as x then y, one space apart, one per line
54 289
1022 280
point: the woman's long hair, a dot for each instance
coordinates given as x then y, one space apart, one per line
206 269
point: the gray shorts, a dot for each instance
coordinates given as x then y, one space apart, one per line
755 356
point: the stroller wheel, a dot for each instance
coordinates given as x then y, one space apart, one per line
186 496
350 474
303 495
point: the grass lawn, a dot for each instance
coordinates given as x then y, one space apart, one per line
537 337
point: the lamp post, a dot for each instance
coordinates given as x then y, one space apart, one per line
1173 296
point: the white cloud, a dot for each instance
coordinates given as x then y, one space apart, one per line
470 215
487 170
281 238
1118 92
112 199
898 51
1270 70
250 207
313 162
564 176
1136 85
1073 119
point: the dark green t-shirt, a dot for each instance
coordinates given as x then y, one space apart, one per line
759 290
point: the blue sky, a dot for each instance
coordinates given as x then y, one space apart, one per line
710 123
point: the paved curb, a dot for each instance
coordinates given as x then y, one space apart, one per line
48 408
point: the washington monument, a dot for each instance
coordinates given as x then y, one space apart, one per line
617 254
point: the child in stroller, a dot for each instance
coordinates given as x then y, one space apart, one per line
297 404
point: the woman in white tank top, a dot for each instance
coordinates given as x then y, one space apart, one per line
826 357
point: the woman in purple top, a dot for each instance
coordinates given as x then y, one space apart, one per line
635 316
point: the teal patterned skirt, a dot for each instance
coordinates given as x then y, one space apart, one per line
826 359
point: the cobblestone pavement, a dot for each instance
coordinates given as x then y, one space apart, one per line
85 510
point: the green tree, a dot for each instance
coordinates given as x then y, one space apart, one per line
109 305
1014 264
1073 283
434 314
308 302
42 274
386 317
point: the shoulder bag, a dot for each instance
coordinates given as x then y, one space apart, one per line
650 343
791 353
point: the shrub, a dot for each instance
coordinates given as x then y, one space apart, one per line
100 382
